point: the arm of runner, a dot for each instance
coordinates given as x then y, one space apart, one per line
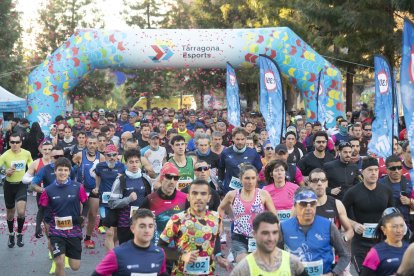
343 218
268 202
116 199
344 256
98 183
28 176
77 159
148 167
225 205
296 266
107 266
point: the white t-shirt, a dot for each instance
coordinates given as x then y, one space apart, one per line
155 157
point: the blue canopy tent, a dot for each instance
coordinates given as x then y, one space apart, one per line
10 105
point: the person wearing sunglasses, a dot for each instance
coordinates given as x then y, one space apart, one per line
364 204
245 204
341 173
269 153
281 191
127 195
312 238
317 157
400 186
366 137
385 257
14 161
202 171
106 174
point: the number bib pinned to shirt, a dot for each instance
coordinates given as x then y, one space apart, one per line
235 183
19 165
314 268
200 267
251 245
369 230
284 214
105 197
64 223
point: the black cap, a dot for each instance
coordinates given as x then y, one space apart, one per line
368 162
281 148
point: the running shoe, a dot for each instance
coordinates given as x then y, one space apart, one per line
20 240
53 268
101 230
67 262
11 241
90 244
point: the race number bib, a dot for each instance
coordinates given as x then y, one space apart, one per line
19 165
133 210
183 182
200 267
284 214
64 223
105 197
251 245
369 230
235 183
314 268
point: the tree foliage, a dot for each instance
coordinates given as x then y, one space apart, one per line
11 74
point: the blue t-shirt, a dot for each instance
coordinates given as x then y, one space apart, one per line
108 175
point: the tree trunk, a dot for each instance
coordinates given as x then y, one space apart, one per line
350 71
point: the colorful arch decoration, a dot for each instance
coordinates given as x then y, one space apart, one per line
86 50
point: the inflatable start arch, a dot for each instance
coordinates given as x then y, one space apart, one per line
86 50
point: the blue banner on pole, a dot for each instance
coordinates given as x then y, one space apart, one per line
272 100
321 99
407 82
396 104
232 96
382 126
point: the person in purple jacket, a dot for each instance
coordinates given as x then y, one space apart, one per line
63 197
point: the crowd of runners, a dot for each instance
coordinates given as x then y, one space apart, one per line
163 185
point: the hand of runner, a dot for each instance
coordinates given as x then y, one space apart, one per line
359 228
95 191
405 200
224 263
336 191
190 257
10 171
133 196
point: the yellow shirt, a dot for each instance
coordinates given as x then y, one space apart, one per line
284 268
20 161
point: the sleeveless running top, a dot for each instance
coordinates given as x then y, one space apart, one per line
283 270
245 212
329 211
39 165
85 177
186 173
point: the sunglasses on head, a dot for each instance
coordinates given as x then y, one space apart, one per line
305 204
15 142
390 211
394 168
171 177
202 169
111 154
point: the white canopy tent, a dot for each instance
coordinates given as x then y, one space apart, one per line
11 103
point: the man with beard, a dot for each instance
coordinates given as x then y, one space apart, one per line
366 137
341 173
85 160
197 248
88 127
77 125
355 157
106 173
216 142
268 259
318 156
